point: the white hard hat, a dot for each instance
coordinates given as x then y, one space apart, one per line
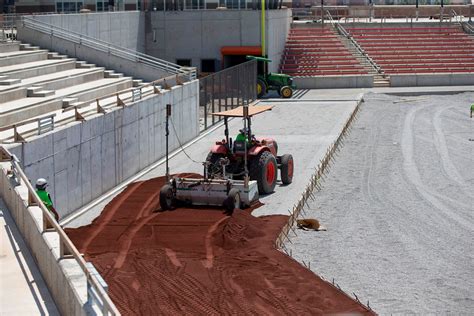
41 182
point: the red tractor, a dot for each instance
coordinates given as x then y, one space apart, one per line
247 155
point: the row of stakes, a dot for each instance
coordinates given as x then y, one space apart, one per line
315 183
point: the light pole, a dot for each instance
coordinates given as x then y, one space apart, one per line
417 10
371 5
322 13
263 28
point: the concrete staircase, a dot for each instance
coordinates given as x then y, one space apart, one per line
380 80
34 81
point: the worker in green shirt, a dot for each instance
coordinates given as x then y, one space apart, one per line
472 109
41 185
242 136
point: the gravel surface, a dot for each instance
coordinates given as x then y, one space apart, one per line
398 205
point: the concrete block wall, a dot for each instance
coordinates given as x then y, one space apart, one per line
447 79
125 29
83 161
64 278
330 82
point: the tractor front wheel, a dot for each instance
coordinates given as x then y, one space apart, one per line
263 168
286 92
286 169
261 88
166 197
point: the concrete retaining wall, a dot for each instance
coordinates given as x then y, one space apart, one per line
278 27
328 82
125 29
169 35
64 278
85 160
448 79
129 67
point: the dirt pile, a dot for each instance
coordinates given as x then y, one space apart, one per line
198 261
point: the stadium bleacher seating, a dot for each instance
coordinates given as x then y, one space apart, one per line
34 81
444 49
316 51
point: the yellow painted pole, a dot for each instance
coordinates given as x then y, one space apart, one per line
263 28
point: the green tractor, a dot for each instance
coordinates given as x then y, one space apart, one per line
266 81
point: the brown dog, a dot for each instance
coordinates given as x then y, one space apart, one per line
309 223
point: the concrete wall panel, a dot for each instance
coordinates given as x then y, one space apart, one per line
119 28
69 298
200 35
451 79
87 159
327 82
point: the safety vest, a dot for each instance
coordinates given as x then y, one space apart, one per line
44 196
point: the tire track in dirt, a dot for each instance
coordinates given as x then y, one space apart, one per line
413 175
109 216
199 261
442 148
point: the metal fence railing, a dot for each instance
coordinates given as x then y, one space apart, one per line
20 131
98 295
111 49
8 30
225 90
341 30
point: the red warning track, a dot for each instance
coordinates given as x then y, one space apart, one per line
199 261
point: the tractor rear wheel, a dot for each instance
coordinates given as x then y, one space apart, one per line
261 88
214 168
286 92
232 201
263 168
166 197
286 169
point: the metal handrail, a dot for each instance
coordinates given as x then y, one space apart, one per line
76 115
346 34
458 18
66 247
106 47
467 27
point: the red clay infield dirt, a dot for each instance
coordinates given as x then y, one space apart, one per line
199 261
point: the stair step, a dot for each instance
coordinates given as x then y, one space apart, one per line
87 66
112 74
67 102
44 93
56 56
83 64
28 47
137 82
38 92
9 82
32 90
73 104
